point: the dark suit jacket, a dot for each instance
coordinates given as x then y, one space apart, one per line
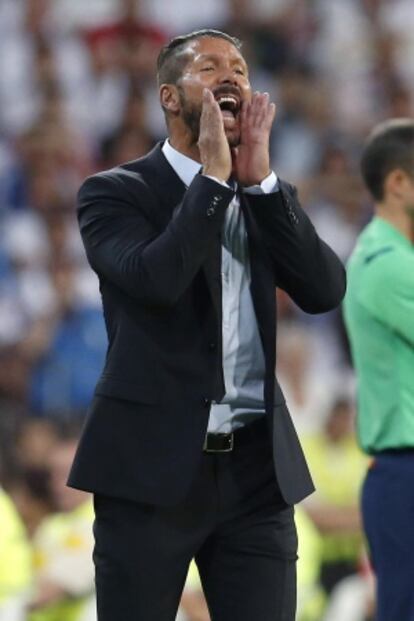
156 249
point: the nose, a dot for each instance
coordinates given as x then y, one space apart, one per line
228 76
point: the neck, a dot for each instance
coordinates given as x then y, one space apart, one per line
397 217
184 145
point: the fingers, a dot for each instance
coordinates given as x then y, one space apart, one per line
244 112
210 112
271 115
212 142
260 103
259 113
211 120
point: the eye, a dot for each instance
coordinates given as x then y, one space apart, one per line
208 68
239 71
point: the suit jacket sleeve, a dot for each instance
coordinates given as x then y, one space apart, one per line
124 245
305 266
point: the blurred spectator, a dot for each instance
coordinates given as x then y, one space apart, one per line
396 17
183 15
15 566
338 467
304 119
63 543
353 598
132 139
335 195
35 439
311 597
344 53
101 102
28 482
307 389
71 357
30 493
13 377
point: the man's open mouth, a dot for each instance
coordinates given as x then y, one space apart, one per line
229 105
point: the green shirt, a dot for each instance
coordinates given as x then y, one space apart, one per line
379 315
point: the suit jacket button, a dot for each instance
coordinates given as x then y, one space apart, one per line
206 402
210 211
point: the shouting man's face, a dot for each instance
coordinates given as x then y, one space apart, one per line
215 64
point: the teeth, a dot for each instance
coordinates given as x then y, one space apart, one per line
231 100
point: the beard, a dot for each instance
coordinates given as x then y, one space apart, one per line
191 114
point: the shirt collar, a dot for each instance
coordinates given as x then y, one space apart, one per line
184 166
388 231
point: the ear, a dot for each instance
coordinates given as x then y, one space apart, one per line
169 98
396 183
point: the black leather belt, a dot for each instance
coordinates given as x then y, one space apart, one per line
218 442
226 442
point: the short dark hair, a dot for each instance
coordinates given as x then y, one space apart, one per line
172 58
389 146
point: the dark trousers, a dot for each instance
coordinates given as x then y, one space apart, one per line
233 522
388 514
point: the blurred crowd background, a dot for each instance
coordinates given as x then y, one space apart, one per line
78 94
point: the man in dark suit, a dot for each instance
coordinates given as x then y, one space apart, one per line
189 447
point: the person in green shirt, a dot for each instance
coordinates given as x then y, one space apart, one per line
379 316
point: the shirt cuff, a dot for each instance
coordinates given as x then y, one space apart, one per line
269 185
226 185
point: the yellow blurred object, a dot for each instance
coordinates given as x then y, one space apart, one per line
15 553
193 581
338 471
311 598
62 555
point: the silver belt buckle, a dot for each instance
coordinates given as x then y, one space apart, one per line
224 450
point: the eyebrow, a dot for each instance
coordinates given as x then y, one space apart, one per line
216 58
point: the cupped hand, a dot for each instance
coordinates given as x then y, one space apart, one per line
251 160
213 145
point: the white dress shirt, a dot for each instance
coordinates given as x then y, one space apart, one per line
243 358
